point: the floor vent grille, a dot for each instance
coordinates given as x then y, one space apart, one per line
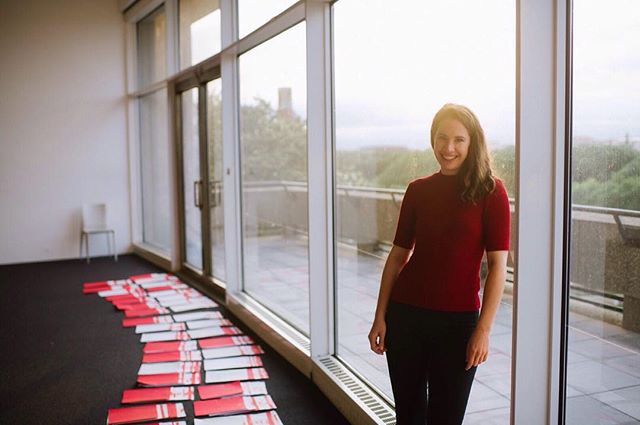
384 414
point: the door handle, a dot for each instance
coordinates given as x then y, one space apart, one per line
197 185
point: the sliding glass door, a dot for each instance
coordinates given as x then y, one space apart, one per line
191 179
200 161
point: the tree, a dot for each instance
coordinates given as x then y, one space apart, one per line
274 144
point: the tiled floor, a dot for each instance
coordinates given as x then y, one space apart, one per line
603 364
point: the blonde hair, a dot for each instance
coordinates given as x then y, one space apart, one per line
475 174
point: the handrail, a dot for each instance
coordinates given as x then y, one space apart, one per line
394 192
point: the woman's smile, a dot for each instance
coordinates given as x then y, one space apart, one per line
451 146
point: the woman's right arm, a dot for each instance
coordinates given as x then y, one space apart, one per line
396 260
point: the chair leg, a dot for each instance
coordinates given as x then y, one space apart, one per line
88 253
108 242
81 238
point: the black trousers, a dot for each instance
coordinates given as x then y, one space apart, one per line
426 354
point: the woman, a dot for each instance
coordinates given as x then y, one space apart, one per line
427 318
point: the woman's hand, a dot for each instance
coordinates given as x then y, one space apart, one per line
477 347
376 336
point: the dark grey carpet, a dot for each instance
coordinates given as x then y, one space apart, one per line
65 358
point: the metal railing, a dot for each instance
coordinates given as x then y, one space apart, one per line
626 221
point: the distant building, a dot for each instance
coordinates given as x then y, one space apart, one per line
284 101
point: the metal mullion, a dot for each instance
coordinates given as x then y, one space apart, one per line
232 189
150 89
277 25
282 22
173 35
540 155
179 149
141 9
205 209
320 179
568 209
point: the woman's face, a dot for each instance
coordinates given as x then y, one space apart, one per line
451 146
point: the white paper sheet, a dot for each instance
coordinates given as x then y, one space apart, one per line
169 367
232 363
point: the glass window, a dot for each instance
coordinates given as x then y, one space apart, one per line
216 176
199 30
154 170
152 51
603 364
192 184
255 13
273 138
395 66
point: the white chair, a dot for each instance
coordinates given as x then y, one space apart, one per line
94 221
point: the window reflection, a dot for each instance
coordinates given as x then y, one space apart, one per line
199 30
154 171
603 370
273 137
387 89
152 50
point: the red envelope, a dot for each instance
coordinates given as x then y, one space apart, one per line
172 356
225 341
145 312
161 347
227 406
127 415
149 320
141 395
229 389
165 379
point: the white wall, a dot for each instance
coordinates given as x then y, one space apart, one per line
62 125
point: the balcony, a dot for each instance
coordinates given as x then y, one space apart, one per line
604 343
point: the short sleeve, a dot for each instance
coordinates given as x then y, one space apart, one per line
406 230
496 219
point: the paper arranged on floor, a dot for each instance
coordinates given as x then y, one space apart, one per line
209 332
250 374
169 367
191 354
266 418
161 327
148 412
194 306
232 363
172 356
233 405
198 315
127 323
181 326
164 379
225 341
140 395
241 350
237 388
161 347
142 312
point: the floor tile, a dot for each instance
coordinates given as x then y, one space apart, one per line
488 417
598 349
586 410
626 400
484 398
500 383
594 377
628 364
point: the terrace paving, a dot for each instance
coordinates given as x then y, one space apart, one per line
603 361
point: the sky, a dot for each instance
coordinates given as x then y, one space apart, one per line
396 63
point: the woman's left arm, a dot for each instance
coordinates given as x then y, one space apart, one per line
478 345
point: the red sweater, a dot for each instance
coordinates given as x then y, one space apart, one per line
448 237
